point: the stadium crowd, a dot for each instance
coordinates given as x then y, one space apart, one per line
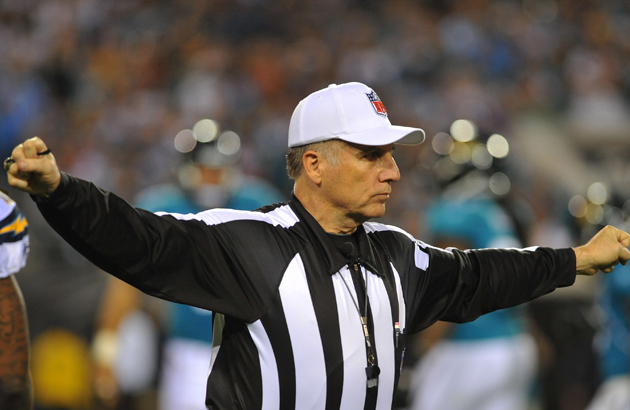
109 84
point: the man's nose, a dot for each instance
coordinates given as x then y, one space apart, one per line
390 173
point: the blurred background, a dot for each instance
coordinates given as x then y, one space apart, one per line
524 102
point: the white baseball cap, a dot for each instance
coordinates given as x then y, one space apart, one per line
350 112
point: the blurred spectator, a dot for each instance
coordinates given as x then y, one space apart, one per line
15 378
614 342
486 364
570 373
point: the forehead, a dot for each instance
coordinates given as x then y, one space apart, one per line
361 147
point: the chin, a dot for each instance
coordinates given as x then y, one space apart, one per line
376 212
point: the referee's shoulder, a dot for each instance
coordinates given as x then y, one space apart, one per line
388 231
279 215
398 242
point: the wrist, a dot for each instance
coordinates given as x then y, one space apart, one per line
56 190
583 265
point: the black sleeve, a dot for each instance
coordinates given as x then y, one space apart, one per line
459 286
185 261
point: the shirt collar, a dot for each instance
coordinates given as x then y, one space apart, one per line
333 259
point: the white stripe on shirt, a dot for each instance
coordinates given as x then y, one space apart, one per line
282 216
306 343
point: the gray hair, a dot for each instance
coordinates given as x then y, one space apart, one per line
328 149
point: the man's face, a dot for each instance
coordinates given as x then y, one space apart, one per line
359 183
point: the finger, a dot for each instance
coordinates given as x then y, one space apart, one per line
18 152
28 157
32 146
27 166
623 238
624 255
17 182
11 167
30 150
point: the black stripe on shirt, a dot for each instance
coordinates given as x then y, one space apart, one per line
371 394
325 305
275 324
235 384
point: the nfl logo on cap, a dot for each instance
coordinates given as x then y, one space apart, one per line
377 104
342 112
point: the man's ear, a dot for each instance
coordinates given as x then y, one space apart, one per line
312 162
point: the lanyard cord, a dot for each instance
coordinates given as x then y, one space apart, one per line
365 288
372 370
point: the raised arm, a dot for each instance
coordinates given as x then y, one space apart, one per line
202 260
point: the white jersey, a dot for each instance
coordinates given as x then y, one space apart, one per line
14 245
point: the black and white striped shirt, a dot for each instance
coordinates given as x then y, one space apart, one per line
289 334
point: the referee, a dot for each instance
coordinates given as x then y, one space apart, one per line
313 302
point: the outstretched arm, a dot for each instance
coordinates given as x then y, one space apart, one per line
605 250
32 170
15 379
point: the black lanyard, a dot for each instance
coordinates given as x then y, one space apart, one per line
371 370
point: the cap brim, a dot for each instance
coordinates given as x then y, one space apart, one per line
390 134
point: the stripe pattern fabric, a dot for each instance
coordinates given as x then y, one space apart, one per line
309 344
287 331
